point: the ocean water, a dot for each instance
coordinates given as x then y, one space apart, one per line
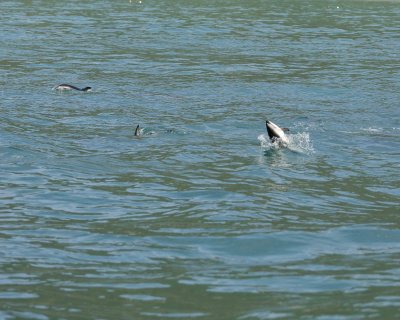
200 217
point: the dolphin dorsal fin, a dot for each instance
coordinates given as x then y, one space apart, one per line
137 131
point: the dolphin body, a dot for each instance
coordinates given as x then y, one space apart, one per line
277 134
65 86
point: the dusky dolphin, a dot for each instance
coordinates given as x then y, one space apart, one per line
277 134
65 86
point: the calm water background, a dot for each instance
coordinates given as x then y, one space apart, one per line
196 219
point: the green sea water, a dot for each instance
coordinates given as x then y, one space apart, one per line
200 217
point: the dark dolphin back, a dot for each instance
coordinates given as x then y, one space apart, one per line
269 131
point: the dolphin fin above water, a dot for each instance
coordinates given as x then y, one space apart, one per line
277 134
137 131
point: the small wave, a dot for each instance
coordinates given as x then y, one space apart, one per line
373 130
299 142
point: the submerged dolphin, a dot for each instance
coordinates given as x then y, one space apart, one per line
65 86
277 134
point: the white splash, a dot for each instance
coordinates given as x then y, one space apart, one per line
299 142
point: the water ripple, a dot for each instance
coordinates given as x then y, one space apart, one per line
194 217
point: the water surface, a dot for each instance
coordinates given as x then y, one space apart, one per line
200 217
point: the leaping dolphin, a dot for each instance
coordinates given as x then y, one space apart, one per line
277 134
